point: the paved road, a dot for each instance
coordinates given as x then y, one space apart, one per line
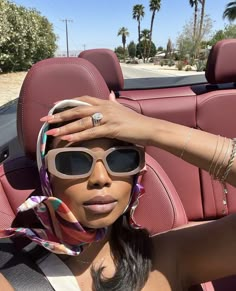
134 71
150 76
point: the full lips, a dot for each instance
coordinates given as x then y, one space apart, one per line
100 204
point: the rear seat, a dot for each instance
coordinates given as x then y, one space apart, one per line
208 107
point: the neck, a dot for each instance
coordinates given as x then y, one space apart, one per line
94 254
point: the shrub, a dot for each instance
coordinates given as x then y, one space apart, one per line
180 65
171 63
188 68
201 65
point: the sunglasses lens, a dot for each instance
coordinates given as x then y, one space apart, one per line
123 160
73 163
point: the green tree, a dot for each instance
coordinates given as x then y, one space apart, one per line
26 37
140 49
228 32
138 14
132 49
123 31
119 51
230 11
154 6
145 38
186 45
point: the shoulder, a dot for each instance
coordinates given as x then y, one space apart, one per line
169 250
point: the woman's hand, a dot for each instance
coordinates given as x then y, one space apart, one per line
118 122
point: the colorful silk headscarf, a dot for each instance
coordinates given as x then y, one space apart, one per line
61 233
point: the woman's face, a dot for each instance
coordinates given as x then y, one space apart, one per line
98 200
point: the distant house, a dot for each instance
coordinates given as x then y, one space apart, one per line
160 55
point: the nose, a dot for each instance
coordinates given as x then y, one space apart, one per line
99 177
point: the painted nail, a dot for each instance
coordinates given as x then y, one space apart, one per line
67 137
47 118
53 131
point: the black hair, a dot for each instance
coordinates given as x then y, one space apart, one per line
131 250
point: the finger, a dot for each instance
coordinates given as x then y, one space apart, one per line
72 127
71 114
91 133
112 97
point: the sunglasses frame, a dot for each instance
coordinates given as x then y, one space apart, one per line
97 156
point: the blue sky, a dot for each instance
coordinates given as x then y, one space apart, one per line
96 23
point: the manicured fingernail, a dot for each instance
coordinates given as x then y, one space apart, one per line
53 131
47 118
67 137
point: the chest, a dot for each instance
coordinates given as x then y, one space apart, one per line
156 281
159 281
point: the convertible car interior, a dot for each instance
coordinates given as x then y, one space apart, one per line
176 193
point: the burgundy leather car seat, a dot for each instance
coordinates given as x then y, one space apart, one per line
216 114
108 65
47 82
180 109
208 107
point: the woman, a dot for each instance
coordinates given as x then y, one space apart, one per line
89 189
188 250
87 213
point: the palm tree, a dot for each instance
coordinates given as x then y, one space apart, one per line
194 3
123 31
154 6
203 2
230 11
145 37
138 14
198 34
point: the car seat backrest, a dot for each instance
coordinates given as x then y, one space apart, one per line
50 81
221 65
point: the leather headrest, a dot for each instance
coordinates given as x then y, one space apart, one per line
107 63
221 64
49 81
160 208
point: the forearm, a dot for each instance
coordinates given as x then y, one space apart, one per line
204 150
